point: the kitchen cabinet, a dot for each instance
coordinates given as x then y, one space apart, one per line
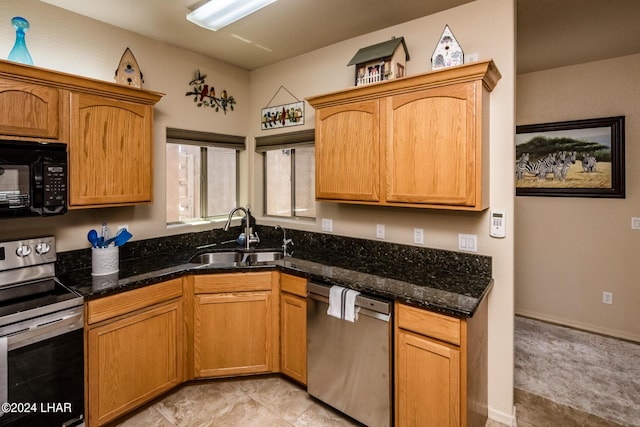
293 327
108 129
347 152
134 349
235 324
419 141
440 368
109 137
39 112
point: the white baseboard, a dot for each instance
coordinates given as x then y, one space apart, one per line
503 417
578 325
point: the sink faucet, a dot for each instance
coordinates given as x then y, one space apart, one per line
285 242
249 236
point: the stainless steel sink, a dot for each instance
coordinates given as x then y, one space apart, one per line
254 257
217 258
232 257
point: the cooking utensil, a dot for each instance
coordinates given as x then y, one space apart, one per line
122 237
93 238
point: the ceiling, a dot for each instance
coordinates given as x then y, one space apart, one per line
551 33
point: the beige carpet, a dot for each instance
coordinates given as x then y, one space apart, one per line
589 372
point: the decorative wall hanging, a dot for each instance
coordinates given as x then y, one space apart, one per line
382 61
581 158
447 52
128 72
285 115
205 95
20 53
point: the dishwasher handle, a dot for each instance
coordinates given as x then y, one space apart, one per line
321 292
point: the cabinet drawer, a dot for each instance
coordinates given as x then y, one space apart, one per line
430 324
294 285
126 302
232 282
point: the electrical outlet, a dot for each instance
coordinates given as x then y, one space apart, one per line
635 223
607 297
327 225
380 231
468 242
418 236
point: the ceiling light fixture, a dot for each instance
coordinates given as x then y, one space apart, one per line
216 14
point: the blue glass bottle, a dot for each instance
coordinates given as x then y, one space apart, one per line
20 53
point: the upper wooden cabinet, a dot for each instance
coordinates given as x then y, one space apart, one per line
108 128
348 152
419 141
38 114
109 151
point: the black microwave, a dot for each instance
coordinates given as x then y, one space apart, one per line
33 178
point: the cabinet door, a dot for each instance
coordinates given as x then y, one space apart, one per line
427 382
233 334
347 152
109 152
29 110
431 147
132 360
293 337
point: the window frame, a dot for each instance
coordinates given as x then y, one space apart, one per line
204 140
284 141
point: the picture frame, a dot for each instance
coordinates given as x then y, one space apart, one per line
579 158
280 116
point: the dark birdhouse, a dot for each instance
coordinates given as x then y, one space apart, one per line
379 62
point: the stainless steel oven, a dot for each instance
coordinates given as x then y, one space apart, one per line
41 339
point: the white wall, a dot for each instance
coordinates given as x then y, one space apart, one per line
571 249
485 27
66 42
63 41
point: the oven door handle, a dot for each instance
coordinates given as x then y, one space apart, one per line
44 331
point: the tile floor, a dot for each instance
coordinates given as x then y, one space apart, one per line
273 401
240 402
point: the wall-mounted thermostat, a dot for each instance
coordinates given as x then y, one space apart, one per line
498 223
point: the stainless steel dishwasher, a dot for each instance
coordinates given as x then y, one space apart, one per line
349 363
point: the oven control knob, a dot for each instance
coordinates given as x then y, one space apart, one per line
42 248
23 251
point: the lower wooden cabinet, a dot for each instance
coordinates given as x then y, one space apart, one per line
234 333
428 373
133 357
293 327
441 368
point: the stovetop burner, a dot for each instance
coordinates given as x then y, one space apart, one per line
20 302
29 288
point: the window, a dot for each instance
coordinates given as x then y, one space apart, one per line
201 174
289 174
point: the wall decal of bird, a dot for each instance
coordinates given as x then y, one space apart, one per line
205 95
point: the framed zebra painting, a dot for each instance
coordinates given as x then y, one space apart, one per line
580 158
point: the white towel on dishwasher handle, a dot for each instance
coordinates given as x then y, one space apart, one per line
342 303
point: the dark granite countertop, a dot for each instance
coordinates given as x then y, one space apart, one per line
453 293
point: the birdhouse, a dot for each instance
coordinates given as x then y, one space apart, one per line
128 72
447 52
379 62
